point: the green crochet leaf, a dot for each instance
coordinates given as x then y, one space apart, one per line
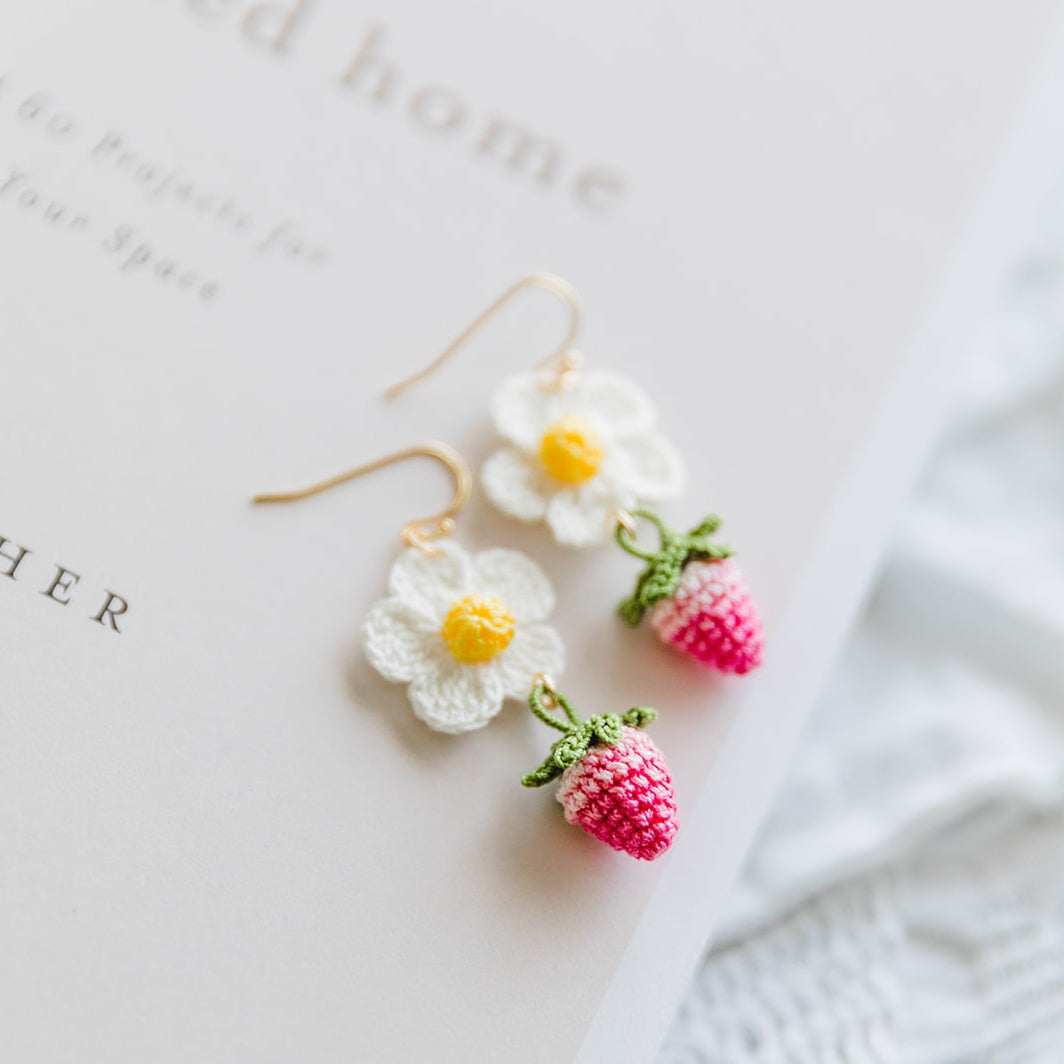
603 729
664 569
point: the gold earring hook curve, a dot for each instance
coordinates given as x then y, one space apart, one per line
420 532
564 354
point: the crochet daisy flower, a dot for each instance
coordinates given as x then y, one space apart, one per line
464 632
577 453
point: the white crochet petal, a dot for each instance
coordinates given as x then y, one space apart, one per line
647 465
580 517
609 400
517 580
430 584
521 410
517 484
399 641
455 698
536 648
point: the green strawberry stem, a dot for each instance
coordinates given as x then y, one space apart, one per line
578 736
660 579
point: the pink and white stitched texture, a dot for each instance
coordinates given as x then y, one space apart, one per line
622 795
712 616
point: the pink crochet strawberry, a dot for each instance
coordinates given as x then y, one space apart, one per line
614 780
696 595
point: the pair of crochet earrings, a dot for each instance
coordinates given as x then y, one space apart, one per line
465 632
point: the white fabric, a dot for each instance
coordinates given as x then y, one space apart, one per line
906 901
956 955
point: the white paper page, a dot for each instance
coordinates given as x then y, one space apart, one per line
227 227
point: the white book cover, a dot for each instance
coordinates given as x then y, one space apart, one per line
227 226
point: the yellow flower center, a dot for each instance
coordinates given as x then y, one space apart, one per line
570 450
477 628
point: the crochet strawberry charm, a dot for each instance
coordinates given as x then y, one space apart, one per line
614 780
695 593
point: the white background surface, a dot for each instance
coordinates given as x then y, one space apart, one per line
228 836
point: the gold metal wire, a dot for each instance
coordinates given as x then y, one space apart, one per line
564 357
625 520
420 532
550 692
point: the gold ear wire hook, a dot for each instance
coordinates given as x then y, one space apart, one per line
568 359
420 532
